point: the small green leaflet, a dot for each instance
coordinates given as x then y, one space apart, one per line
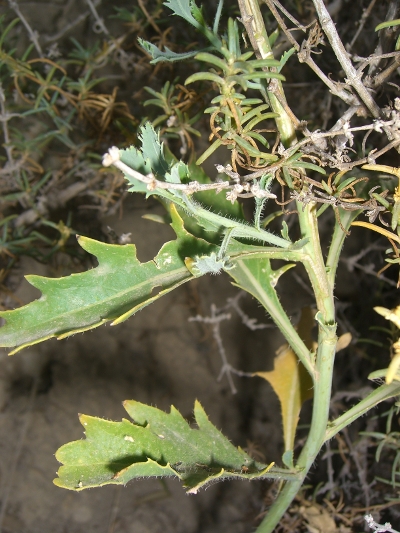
208 264
166 55
285 57
157 444
152 150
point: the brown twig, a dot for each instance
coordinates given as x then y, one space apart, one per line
353 78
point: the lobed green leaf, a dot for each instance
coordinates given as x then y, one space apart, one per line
186 9
156 444
113 291
152 150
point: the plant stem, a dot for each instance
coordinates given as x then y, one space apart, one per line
255 27
384 392
322 394
304 56
353 77
314 264
323 367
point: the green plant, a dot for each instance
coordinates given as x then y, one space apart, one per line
212 235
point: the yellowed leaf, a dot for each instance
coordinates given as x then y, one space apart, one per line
393 370
378 229
390 314
394 316
343 341
384 168
290 380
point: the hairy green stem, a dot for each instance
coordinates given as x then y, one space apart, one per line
240 230
323 366
384 392
322 286
200 213
314 265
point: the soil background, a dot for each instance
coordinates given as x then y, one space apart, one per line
157 357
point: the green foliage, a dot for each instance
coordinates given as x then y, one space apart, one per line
157 444
248 114
58 112
121 285
387 24
176 123
231 110
113 291
151 157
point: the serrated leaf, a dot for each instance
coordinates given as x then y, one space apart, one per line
197 13
185 9
211 222
212 201
151 159
152 150
179 171
156 444
134 158
287 459
113 291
